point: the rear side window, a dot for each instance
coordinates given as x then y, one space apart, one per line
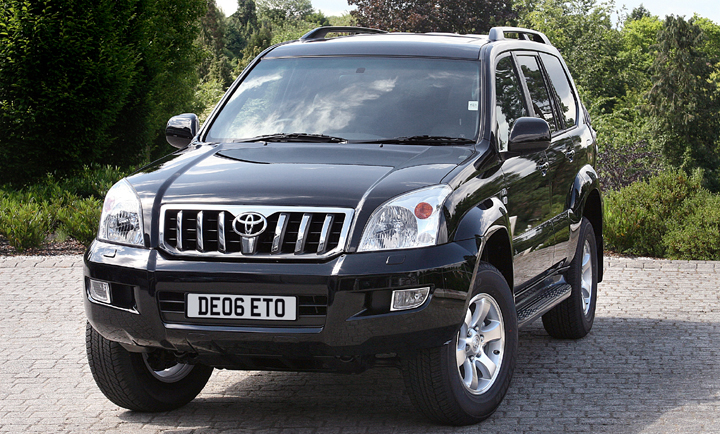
509 101
563 90
538 90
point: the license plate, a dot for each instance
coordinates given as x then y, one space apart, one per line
226 306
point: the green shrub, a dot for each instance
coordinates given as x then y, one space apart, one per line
694 233
637 217
93 181
24 224
80 219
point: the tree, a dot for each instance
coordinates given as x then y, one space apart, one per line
66 72
459 16
639 13
85 81
285 9
582 31
240 26
216 63
684 102
164 42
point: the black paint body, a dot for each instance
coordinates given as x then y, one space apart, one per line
519 212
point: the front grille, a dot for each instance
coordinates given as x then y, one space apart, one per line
303 233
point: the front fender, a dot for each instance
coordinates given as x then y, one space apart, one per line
478 221
484 223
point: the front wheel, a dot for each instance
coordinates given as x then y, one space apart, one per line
464 381
130 380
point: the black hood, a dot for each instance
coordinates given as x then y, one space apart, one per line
293 174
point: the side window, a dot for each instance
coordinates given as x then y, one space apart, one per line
563 90
538 91
509 100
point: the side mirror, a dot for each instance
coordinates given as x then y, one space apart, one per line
529 135
181 129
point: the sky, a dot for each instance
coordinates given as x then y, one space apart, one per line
706 8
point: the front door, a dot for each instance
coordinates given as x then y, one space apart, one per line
526 181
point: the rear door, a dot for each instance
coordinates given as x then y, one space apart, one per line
565 154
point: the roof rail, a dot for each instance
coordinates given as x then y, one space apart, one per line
498 34
321 32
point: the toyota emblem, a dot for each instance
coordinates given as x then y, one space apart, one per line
249 224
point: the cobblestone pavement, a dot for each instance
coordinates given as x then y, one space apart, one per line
649 365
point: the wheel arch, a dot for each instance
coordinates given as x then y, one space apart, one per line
489 225
585 200
593 211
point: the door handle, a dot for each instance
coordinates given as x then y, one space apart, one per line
570 155
544 168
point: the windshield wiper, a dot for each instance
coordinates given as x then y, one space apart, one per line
294 137
425 140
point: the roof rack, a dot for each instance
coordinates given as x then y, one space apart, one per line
498 34
321 32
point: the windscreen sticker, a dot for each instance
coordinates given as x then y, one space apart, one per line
472 106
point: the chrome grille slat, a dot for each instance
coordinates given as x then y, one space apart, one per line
179 227
199 237
222 246
279 233
325 233
304 233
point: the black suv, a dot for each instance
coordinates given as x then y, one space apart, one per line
376 199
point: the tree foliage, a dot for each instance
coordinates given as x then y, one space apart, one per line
583 32
85 81
66 72
684 102
459 16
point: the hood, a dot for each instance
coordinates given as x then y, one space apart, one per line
331 175
359 177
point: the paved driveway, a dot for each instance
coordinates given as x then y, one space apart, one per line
650 365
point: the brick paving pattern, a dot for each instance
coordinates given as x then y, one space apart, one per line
650 365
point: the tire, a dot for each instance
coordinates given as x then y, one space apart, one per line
436 378
127 379
574 317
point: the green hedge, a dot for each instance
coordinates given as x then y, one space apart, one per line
667 216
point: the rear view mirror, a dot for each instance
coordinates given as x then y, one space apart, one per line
529 135
181 129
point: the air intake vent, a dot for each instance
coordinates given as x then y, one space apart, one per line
261 232
312 310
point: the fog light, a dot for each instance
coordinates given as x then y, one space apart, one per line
409 298
100 291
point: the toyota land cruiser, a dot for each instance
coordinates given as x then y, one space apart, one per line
367 200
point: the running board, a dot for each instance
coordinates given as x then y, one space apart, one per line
541 303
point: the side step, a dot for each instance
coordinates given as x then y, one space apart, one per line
541 302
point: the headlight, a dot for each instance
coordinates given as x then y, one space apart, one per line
121 219
407 221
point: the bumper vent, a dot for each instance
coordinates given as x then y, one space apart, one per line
312 310
259 232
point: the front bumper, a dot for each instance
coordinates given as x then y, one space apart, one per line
344 303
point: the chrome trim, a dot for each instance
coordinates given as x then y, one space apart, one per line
325 233
302 233
222 246
234 210
178 229
100 303
248 246
279 233
199 231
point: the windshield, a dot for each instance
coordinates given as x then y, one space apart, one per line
353 98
